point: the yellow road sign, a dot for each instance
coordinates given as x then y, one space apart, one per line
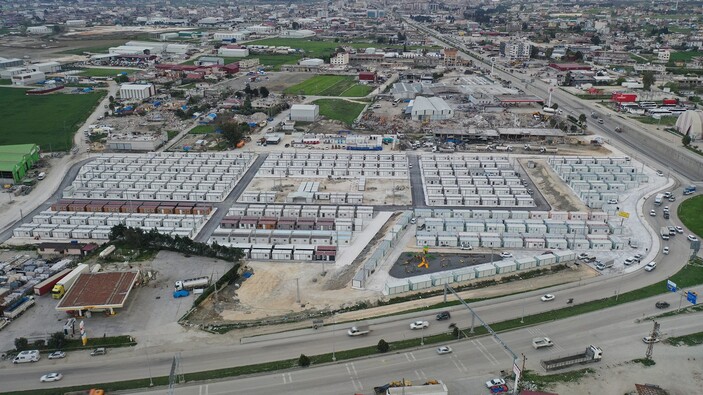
624 214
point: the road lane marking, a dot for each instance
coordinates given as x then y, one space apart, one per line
287 378
483 350
462 365
354 369
420 374
410 357
200 390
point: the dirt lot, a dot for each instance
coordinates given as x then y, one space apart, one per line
559 195
407 263
378 191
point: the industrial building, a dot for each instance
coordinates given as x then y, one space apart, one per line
29 78
39 30
6 63
430 109
47 67
303 33
137 91
230 36
233 51
127 141
304 112
16 160
98 292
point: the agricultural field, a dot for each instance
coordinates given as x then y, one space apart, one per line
104 72
48 120
685 56
319 48
202 129
330 85
340 110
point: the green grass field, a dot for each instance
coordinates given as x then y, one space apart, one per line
329 85
691 213
104 72
266 60
49 121
685 56
202 129
5 82
668 120
314 48
340 110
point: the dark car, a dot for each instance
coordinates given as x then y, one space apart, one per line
662 305
443 315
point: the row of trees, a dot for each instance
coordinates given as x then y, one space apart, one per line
56 342
136 238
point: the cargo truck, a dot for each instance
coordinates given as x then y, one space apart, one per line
191 283
689 190
47 285
63 285
4 322
16 309
541 342
664 232
358 331
592 354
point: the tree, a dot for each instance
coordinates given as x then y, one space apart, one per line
383 346
595 40
686 140
111 99
456 332
264 92
57 340
295 25
121 78
582 119
648 80
304 361
39 343
233 132
246 106
21 343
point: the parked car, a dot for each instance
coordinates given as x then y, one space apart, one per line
678 229
629 261
650 339
443 315
505 254
660 173
494 382
583 256
47 378
57 355
444 350
547 298
638 257
672 198
612 201
419 325
652 213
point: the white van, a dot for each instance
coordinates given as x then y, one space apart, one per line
41 176
27 356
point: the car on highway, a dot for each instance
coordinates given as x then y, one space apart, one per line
652 213
98 351
499 389
47 378
494 382
660 173
665 250
692 238
672 198
444 350
672 231
678 229
548 298
505 254
661 304
443 315
419 325
650 340
57 355
650 266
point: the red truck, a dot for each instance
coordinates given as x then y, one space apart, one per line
46 285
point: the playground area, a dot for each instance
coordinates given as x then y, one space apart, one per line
411 264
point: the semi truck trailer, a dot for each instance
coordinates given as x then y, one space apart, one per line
592 354
47 285
191 283
19 307
63 285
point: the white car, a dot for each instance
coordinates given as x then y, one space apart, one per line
613 201
650 266
506 255
629 261
692 238
650 339
57 355
494 382
678 229
47 378
444 350
548 298
419 325
665 251
652 213
660 173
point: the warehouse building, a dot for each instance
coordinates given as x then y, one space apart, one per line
137 91
430 109
229 36
233 51
47 67
304 112
29 78
15 160
6 63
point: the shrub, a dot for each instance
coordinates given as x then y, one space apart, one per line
21 344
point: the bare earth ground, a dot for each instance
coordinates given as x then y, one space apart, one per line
378 191
555 191
677 370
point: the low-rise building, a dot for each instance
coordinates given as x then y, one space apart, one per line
29 78
137 91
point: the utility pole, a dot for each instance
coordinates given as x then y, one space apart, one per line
297 290
653 335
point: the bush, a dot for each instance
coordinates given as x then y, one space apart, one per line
383 346
21 344
304 361
456 333
57 340
39 343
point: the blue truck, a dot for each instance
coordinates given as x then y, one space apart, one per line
689 190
